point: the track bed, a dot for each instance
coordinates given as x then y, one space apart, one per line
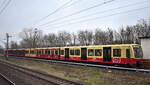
23 76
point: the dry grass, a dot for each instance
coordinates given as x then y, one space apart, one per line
92 76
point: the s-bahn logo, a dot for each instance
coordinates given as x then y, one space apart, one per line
116 60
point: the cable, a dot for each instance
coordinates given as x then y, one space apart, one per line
133 4
106 16
5 7
80 11
73 3
97 5
4 1
61 7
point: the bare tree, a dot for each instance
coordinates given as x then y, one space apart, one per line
85 37
110 36
51 39
74 39
64 38
100 37
14 45
143 27
125 35
31 38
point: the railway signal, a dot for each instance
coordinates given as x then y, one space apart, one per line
7 45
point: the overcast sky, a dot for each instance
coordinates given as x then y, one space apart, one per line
20 14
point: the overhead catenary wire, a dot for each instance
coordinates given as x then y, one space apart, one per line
78 12
56 10
101 12
101 17
1 5
73 3
5 6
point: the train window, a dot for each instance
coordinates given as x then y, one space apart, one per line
62 52
77 52
71 52
15 51
90 52
98 52
32 52
8 51
128 53
20 52
40 52
35 51
43 51
138 52
49 52
117 52
52 52
27 52
46 51
56 52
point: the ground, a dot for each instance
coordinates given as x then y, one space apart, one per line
92 76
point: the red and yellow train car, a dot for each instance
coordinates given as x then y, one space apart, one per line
124 54
114 54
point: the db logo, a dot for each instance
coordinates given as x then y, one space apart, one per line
116 60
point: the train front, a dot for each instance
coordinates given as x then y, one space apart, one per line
138 55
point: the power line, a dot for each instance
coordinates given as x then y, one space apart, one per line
80 11
4 1
5 6
73 3
125 6
105 16
61 7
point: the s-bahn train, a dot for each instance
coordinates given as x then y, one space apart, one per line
121 54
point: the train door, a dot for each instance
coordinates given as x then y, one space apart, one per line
83 53
107 54
59 53
66 53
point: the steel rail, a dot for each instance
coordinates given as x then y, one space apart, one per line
7 79
57 81
90 65
100 66
85 64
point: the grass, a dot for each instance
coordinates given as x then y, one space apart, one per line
91 76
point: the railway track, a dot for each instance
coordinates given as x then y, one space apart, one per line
90 65
5 81
45 79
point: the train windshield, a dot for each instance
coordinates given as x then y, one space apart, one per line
138 52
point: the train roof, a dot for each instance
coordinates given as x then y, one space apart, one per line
104 45
78 46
